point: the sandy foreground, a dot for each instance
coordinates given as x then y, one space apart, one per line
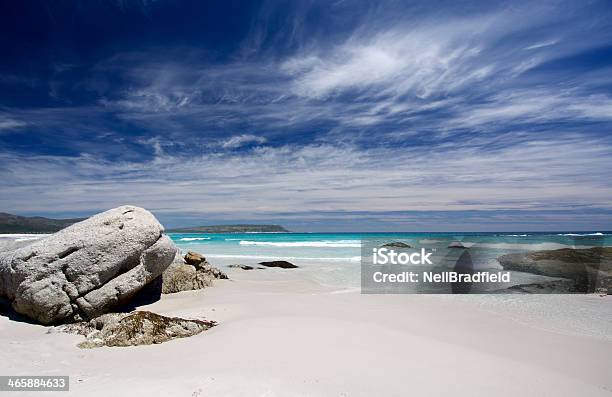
279 335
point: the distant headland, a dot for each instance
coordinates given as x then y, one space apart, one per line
231 229
10 223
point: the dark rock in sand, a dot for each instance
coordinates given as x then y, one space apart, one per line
589 269
88 268
281 264
243 267
181 276
133 329
396 244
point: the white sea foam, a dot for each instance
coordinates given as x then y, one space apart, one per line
288 258
315 244
528 247
581 235
194 238
430 241
23 236
17 235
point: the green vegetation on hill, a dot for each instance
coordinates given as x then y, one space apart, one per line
231 229
37 224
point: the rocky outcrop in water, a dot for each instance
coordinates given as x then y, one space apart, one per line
396 244
132 329
88 268
589 269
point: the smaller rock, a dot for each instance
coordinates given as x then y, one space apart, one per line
281 264
397 244
456 244
194 259
181 276
133 329
240 266
216 273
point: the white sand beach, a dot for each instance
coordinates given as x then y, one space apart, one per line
279 336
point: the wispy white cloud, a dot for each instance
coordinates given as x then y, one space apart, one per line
534 106
542 44
461 73
241 140
9 124
319 178
405 59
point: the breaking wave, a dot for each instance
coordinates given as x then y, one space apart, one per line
289 258
314 244
581 234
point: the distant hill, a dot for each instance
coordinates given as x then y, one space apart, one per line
37 224
230 229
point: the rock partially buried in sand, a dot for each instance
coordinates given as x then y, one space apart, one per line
88 268
589 269
243 267
281 264
181 276
396 244
133 329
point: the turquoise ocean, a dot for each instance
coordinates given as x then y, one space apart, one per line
333 259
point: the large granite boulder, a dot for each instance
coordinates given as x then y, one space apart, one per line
589 269
88 268
182 276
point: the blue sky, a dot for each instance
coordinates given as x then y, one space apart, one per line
317 115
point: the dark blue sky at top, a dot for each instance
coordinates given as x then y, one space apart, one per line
324 115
